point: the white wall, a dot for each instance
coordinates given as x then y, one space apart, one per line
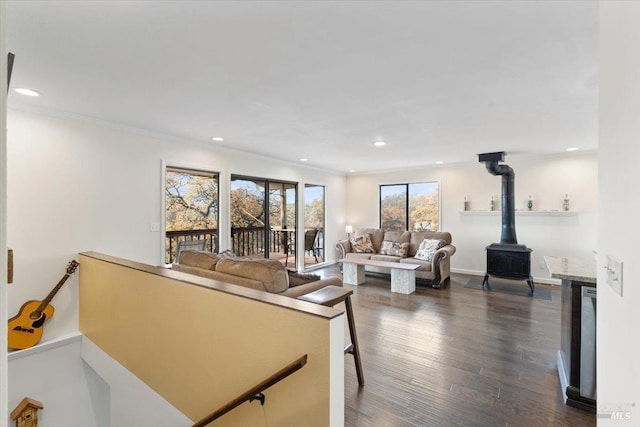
3 218
546 179
76 185
619 316
54 374
130 401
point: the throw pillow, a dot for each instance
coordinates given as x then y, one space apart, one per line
297 279
227 254
362 244
394 248
427 248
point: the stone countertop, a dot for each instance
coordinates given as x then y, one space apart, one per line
578 269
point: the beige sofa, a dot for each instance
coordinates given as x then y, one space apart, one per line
262 274
432 273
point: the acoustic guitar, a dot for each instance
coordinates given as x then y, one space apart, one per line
25 328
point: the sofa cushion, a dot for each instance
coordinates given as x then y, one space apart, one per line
397 236
387 258
269 271
427 248
359 256
222 277
362 244
424 265
394 248
199 259
297 279
376 234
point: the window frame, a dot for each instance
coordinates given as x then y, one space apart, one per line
324 221
173 167
267 223
407 201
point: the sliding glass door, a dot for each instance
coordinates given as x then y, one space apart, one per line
263 218
248 219
313 224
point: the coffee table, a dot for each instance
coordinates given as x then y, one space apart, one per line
403 276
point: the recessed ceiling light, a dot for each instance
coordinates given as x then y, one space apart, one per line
380 143
304 159
573 149
352 170
27 92
217 139
439 162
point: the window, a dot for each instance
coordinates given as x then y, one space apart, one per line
191 209
410 206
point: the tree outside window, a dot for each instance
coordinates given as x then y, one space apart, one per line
191 208
263 216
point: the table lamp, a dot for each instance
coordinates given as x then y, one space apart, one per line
348 229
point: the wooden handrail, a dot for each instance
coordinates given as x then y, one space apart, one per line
254 391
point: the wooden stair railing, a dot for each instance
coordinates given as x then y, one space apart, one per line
254 393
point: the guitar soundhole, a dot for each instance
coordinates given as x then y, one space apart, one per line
38 323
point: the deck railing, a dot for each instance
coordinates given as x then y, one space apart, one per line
245 241
250 240
210 236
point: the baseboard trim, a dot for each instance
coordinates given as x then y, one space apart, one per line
542 280
564 382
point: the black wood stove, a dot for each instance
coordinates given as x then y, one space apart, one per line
506 259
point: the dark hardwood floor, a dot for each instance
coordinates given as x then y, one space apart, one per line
455 357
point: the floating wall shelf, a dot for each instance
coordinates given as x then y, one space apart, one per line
521 212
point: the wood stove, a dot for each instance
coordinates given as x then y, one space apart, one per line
506 259
509 262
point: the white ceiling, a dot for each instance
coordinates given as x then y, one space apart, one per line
439 81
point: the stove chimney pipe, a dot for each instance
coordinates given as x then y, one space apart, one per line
508 203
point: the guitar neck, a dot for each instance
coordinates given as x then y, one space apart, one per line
45 302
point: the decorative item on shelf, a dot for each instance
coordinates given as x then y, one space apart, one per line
565 203
466 204
492 204
348 229
530 203
26 413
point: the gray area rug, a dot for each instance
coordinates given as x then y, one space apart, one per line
513 287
